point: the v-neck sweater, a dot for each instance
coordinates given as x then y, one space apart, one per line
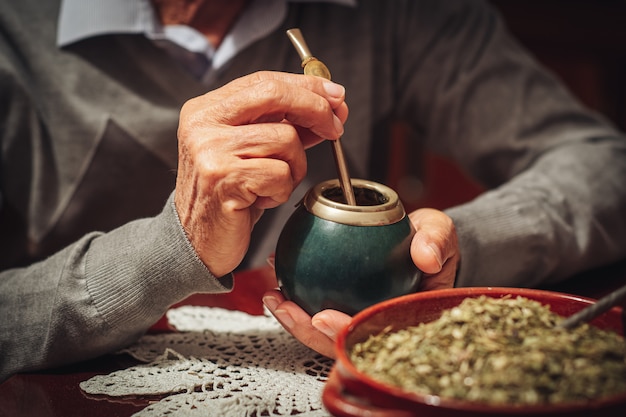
90 241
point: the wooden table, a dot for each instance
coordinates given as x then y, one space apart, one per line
57 392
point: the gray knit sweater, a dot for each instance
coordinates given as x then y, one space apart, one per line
91 250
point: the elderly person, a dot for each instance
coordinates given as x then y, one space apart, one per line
148 147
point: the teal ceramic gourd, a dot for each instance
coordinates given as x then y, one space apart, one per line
346 257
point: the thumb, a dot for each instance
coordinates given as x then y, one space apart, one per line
434 241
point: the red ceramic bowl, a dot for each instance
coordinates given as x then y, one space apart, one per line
350 392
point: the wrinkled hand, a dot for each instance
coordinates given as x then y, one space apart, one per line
434 250
241 150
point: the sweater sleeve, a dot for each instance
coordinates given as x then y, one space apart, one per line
99 294
555 170
561 216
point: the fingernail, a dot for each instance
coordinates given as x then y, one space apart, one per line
338 125
324 328
284 318
437 253
270 302
333 89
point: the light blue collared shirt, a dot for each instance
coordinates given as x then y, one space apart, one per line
81 19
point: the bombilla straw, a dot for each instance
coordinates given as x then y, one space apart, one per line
313 66
589 313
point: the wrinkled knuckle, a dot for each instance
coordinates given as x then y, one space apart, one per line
322 107
195 121
284 133
268 87
259 76
252 78
284 174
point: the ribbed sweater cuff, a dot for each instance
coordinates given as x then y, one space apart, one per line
137 271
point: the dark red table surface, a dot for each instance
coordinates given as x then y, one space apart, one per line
57 393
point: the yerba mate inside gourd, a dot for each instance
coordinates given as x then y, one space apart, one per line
364 196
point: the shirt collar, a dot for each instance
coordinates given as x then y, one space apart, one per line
81 19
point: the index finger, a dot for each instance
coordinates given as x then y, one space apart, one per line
309 102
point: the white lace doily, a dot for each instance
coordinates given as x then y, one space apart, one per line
220 363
